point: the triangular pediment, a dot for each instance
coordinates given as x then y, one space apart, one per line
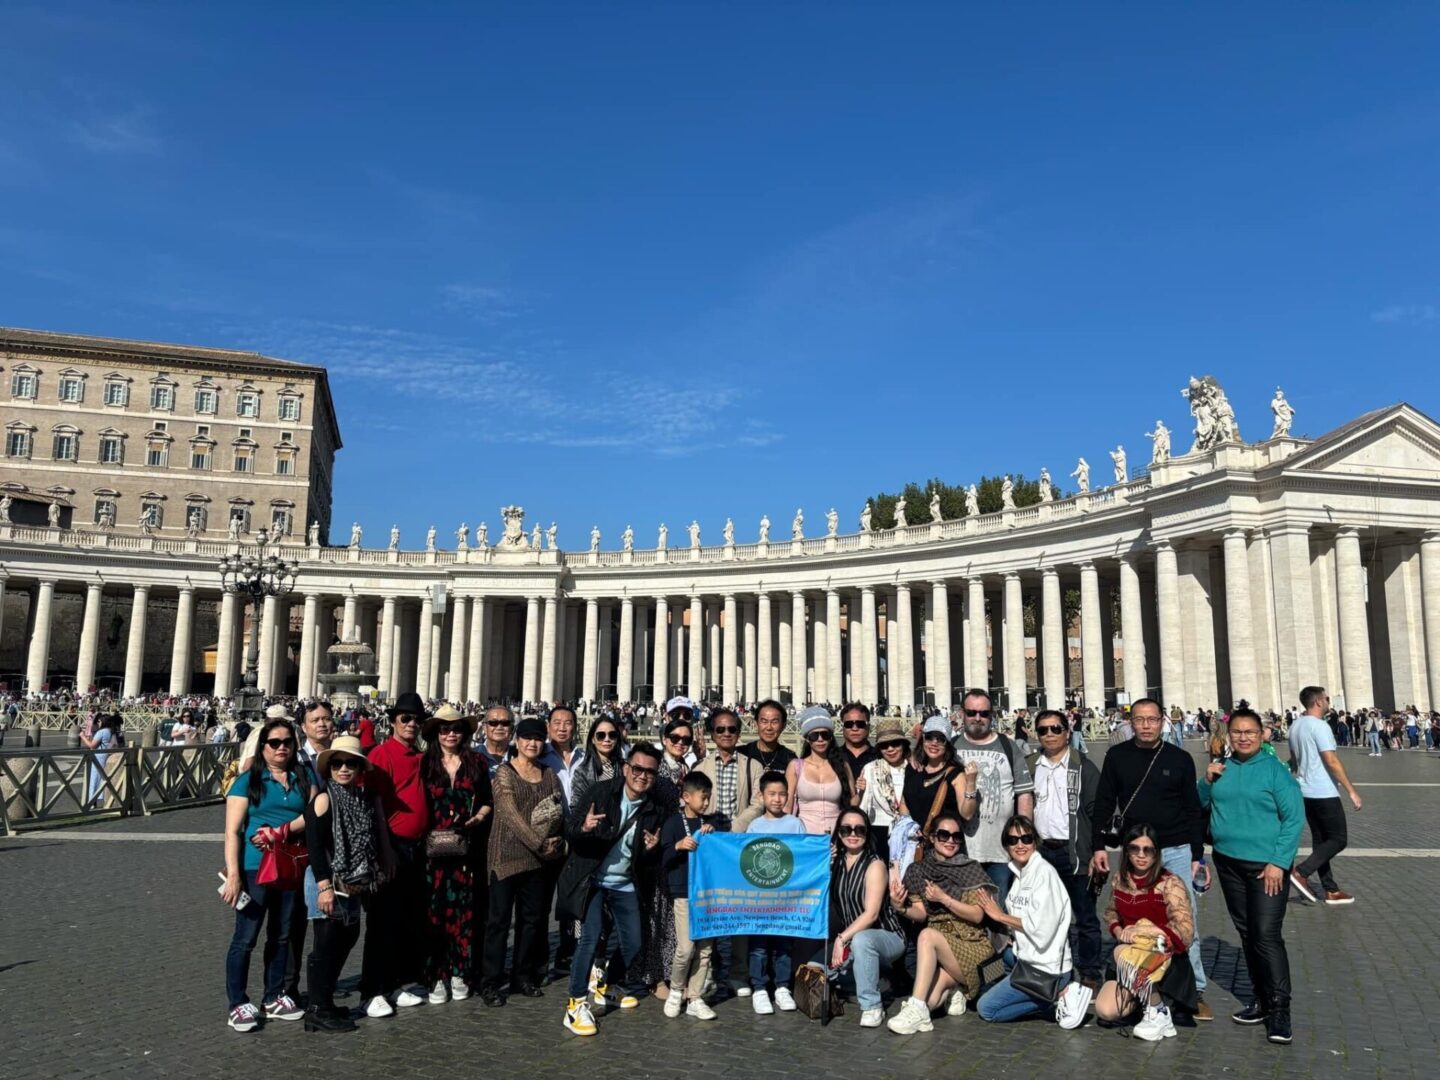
1399 442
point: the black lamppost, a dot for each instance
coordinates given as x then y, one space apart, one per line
256 576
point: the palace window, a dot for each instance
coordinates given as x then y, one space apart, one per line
242 515
247 404
289 408
205 401
117 393
17 443
105 511
200 456
244 458
284 464
279 521
157 453
195 517
72 389
162 397
112 450
153 514
23 384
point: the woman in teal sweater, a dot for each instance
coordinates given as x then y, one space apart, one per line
1256 813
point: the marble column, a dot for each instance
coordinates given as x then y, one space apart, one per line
607 647
424 643
902 643
729 664
625 669
1354 629
679 650
180 646
350 621
784 649
400 666
89 637
1015 641
1172 637
979 675
530 662
1430 610
1295 610
869 647
475 657
385 647
135 646
459 626
1052 635
938 655
798 662
1132 623
590 663
712 649
264 634
1240 637
549 636
751 680
309 631
660 667
834 654
695 662
764 649
820 655
1404 622
1092 665
37 665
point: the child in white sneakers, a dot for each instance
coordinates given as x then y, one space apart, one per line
766 949
680 835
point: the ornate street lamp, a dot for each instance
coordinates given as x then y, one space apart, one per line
256 576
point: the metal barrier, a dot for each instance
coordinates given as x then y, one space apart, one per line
40 787
136 717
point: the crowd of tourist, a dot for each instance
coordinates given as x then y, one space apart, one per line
966 874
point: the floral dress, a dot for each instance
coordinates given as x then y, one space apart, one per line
451 917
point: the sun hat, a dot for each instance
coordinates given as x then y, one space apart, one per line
891 729
348 745
448 714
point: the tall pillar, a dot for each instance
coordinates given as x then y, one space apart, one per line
1354 630
785 648
89 638
224 646
459 626
385 648
475 658
590 665
834 656
679 650
820 654
306 686
1172 637
1132 628
1092 665
1404 629
900 630
424 643
712 651
1295 611
978 676
660 668
265 663
764 649
350 622
798 662
869 647
938 656
37 666
696 662
135 647
530 664
1240 637
1015 641
1052 633
751 680
548 639
1430 609
400 663
729 664
625 669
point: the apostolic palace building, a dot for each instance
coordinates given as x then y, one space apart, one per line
1236 570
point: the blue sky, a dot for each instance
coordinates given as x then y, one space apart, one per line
633 263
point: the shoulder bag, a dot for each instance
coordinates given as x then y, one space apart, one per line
283 864
1041 985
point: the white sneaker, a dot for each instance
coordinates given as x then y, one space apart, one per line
1074 1002
377 1008
459 989
245 1017
673 1005
439 994
957 1004
743 990
597 977
406 1000
872 1017
1154 1025
699 1010
578 1018
784 1000
283 1008
913 1016
761 1003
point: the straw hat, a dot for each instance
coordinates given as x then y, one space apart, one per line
348 745
448 714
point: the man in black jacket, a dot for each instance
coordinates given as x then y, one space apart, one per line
1066 782
1147 779
614 837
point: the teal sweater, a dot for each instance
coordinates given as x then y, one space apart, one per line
1256 811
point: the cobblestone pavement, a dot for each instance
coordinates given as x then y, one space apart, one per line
111 964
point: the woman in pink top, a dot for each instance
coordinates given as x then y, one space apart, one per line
821 783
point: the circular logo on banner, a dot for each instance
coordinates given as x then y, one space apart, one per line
767 863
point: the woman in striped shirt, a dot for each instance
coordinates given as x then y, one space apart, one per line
863 923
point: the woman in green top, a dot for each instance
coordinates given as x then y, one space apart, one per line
1256 813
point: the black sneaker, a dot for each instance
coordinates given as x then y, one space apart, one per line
1254 1013
492 997
1277 1024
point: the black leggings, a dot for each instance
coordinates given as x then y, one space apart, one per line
1260 922
333 942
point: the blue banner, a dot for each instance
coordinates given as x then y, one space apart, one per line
760 883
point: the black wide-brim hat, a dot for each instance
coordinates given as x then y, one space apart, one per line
409 702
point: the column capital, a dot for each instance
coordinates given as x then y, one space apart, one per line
1431 537
1009 575
1162 545
183 589
1087 565
867 589
1287 527
1235 532
1050 571
1347 531
939 583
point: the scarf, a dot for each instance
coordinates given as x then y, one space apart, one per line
1139 964
956 876
352 817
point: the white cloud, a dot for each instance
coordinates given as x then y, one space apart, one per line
1407 314
116 133
485 303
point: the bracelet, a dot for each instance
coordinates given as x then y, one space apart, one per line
327 888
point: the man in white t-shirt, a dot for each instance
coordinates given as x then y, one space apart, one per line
1317 766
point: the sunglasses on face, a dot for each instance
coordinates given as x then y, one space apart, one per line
852 830
817 736
1015 839
404 719
276 744
641 772
978 712
679 740
343 763
498 723
604 736
945 836
894 746
1050 729
851 725
1139 849
934 736
451 729
727 730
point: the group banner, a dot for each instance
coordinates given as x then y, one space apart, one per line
760 883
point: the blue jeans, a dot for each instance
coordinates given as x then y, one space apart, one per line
1374 741
871 949
1177 860
777 951
1000 874
1003 1003
271 907
625 910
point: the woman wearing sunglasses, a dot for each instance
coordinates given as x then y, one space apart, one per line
821 783
942 891
603 755
862 923
936 782
1149 915
1040 978
882 781
266 803
677 740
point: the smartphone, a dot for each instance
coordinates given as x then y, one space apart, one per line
240 901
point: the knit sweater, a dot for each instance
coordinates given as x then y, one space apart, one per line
1166 799
514 841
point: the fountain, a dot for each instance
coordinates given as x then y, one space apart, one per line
353 663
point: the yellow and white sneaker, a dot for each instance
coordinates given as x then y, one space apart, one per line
578 1018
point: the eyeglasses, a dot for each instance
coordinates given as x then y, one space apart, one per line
945 836
852 830
605 736
451 729
816 736
851 725
727 730
978 712
1018 838
679 740
641 772
1244 733
1140 849
276 744
1049 729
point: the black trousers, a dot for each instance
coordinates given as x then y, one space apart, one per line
333 942
395 923
1260 922
299 922
1328 835
1084 922
523 898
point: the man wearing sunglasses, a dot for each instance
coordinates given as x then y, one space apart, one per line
855 726
1004 787
1065 785
495 732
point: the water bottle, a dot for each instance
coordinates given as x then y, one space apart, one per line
1200 882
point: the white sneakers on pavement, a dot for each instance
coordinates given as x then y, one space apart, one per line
760 1002
699 1010
377 1008
784 1000
406 1000
459 989
913 1016
957 1005
1073 1004
1155 1024
872 1017
439 993
673 1004
245 1017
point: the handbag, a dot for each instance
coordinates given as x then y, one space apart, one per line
815 995
446 844
1041 985
282 866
